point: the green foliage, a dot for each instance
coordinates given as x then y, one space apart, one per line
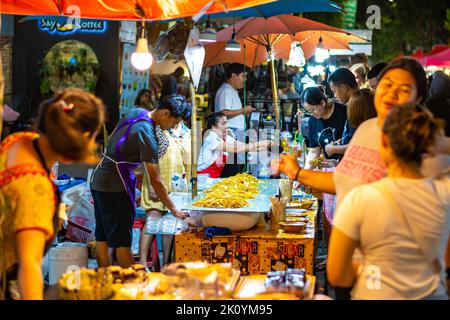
406 25
447 21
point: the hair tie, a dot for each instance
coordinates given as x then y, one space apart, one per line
67 107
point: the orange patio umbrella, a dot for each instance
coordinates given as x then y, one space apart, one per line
256 53
275 35
125 9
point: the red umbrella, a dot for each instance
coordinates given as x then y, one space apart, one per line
438 56
417 54
437 49
125 9
441 59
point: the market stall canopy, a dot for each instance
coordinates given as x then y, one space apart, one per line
256 53
417 54
282 7
439 56
441 59
125 9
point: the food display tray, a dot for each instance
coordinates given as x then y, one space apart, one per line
260 204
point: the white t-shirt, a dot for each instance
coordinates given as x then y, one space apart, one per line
227 97
363 164
208 153
387 246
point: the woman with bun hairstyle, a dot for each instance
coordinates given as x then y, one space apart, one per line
326 123
217 142
67 124
400 223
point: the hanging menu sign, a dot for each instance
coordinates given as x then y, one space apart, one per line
194 55
133 80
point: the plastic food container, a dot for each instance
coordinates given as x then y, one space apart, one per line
292 227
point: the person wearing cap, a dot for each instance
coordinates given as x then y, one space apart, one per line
373 74
343 84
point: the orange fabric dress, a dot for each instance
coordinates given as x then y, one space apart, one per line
28 200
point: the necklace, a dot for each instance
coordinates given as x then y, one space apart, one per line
40 155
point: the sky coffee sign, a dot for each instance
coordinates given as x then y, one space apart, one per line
66 26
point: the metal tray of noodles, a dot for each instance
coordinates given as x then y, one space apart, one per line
260 204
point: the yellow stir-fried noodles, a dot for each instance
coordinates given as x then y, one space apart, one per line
232 192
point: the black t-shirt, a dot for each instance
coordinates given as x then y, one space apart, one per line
140 146
323 132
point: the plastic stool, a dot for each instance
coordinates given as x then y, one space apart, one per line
153 254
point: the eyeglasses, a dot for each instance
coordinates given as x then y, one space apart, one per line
310 113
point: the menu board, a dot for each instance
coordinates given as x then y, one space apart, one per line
133 80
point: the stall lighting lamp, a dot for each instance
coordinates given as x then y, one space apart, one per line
142 59
209 35
233 45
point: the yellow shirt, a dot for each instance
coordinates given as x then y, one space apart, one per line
174 161
27 201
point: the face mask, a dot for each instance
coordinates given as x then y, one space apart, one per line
163 141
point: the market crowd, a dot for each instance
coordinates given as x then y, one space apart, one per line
385 127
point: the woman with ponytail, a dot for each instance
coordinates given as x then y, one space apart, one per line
400 223
67 124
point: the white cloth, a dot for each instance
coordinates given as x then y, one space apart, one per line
209 153
227 97
385 241
363 164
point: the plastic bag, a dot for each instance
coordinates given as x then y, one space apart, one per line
277 212
82 212
167 225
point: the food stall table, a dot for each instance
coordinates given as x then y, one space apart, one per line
254 251
252 287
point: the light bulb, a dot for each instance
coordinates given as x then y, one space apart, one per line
141 59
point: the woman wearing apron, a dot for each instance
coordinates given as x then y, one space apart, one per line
217 143
113 183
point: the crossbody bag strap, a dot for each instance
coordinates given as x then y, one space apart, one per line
436 265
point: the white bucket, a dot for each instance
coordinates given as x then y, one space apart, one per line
67 255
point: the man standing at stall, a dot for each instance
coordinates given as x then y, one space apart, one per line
170 82
229 103
343 84
138 138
